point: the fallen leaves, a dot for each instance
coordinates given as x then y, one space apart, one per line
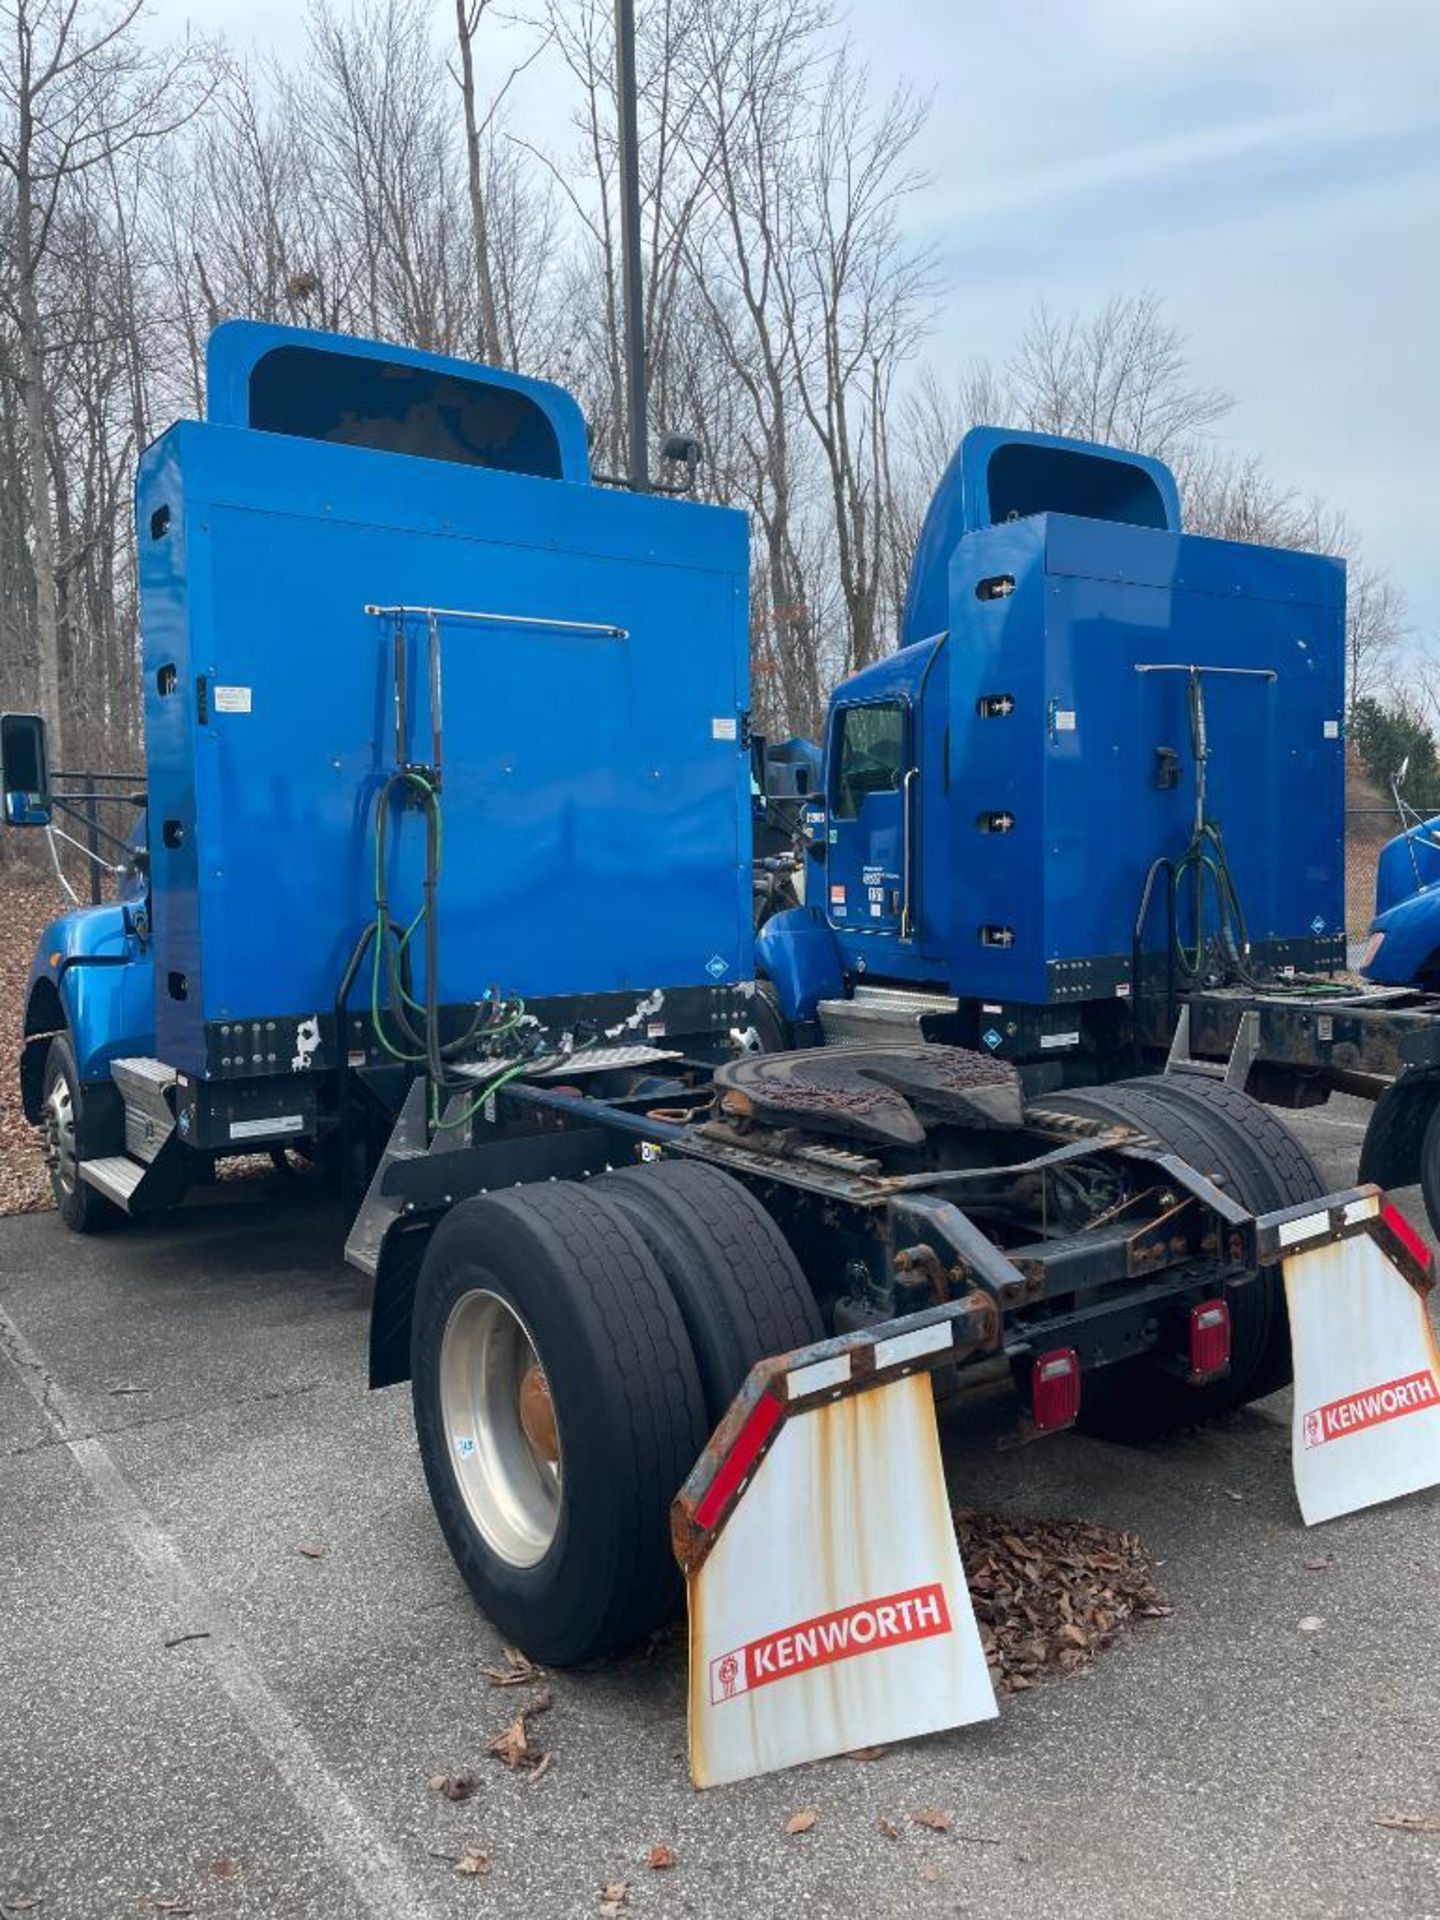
515 1745
1410 1822
21 1902
613 1896
224 1868
1050 1595
802 1821
474 1860
661 1858
518 1671
24 1183
1322 1563
454 1786
888 1829
311 1550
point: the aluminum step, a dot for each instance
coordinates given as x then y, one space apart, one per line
116 1177
881 1016
145 1087
378 1209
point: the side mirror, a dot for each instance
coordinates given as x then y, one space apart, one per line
24 770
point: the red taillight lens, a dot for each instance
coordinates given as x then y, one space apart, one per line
1055 1389
1406 1234
1209 1339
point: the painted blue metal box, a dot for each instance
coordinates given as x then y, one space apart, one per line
1041 705
593 654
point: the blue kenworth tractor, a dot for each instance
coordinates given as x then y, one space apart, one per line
446 880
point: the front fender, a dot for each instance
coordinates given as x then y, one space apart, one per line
1411 936
798 953
96 972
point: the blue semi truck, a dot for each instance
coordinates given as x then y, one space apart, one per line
446 882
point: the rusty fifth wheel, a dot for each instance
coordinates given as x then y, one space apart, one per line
1240 1145
558 1409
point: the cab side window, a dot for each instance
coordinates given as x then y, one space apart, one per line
870 755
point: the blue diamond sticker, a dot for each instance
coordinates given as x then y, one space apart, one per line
1317 925
716 965
991 1039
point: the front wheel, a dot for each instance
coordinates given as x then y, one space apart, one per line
62 1097
558 1411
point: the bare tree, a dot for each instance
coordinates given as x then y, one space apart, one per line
78 90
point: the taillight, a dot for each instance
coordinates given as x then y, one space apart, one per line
1406 1235
1055 1389
1209 1340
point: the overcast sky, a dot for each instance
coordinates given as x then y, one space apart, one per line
1270 168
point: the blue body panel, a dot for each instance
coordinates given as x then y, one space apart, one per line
799 954
110 1009
1407 910
595 789
1070 761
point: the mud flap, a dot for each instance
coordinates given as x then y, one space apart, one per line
1367 1366
828 1605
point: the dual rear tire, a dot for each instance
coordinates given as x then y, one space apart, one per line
572 1349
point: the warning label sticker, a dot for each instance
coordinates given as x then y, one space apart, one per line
1370 1408
866 1627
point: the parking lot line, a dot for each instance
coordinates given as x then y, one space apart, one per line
373 1869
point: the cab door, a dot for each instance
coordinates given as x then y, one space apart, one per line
868 857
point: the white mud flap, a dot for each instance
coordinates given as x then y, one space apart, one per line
1367 1366
828 1605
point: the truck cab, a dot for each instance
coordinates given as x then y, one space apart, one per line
1090 735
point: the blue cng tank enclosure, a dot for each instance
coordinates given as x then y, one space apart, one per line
592 679
998 789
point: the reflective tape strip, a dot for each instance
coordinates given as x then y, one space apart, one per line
819 1375
764 1417
1305 1228
910 1346
1365 1209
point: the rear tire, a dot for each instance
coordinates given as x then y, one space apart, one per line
739 1288
62 1107
1430 1170
1254 1157
558 1267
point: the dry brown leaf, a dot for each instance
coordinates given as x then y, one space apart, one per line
613 1896
472 1861
224 1868
661 1857
932 1818
21 1902
888 1829
803 1821
547 1760
931 1872
1322 1563
311 1549
865 1753
518 1671
1410 1822
454 1786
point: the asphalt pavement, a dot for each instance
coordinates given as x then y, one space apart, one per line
197 1714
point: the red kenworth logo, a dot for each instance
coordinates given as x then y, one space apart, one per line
1371 1408
867 1627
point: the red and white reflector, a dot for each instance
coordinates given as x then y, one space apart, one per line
1367 1372
1209 1339
1055 1389
828 1607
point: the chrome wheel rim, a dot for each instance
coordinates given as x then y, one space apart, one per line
499 1428
60 1155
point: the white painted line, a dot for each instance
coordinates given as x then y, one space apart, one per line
375 1871
819 1375
910 1346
